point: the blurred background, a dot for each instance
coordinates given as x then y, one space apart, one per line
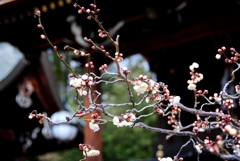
157 38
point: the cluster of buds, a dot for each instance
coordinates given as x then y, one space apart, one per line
103 67
195 76
101 34
220 52
199 125
172 120
127 119
79 53
80 84
88 40
89 11
89 64
217 98
125 70
118 56
104 51
214 147
93 124
88 150
228 103
235 54
38 116
224 119
232 59
200 92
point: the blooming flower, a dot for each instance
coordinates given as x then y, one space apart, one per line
176 100
141 88
237 88
199 150
91 153
119 123
76 82
93 126
191 86
165 159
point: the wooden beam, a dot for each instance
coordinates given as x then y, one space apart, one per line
217 26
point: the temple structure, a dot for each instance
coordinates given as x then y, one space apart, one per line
170 34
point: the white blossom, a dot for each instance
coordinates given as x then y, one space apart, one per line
91 153
166 159
85 77
93 126
115 121
191 86
237 89
197 147
176 100
76 82
218 56
119 123
200 77
141 88
194 65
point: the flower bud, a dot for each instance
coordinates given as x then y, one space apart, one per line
43 36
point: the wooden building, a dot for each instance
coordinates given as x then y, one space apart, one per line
171 34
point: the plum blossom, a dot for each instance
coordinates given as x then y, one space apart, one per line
176 100
129 118
94 126
237 88
198 148
76 82
165 159
192 86
141 88
194 65
91 153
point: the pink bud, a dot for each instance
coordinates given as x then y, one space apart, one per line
80 11
60 56
43 37
223 48
39 26
89 17
75 5
71 75
232 49
76 52
38 13
220 50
